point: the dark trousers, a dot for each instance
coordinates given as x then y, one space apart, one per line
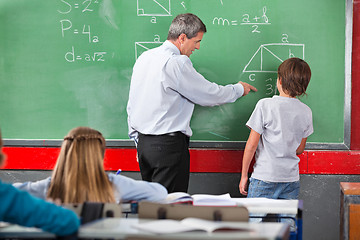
165 159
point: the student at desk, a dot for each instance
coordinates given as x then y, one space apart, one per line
279 129
21 208
79 175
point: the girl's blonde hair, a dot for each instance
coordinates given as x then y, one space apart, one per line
79 173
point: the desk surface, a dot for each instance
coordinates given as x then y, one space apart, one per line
350 188
121 228
265 205
16 231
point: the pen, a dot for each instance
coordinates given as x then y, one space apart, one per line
118 172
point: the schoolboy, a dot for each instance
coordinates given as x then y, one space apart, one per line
279 129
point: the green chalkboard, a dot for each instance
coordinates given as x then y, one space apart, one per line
66 63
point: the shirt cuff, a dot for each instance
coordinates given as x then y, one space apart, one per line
239 89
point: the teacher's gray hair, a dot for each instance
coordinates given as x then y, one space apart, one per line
187 23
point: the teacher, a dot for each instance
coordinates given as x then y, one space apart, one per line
163 92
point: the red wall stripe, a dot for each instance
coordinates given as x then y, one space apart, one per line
124 159
355 85
334 162
202 160
30 158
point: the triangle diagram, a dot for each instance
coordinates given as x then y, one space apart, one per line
153 8
268 57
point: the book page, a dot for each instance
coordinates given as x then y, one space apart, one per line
201 199
178 197
211 226
165 226
4 224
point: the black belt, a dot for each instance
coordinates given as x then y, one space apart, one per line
172 134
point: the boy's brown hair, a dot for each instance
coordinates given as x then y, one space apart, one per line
294 74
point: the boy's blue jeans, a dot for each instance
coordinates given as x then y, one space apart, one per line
273 190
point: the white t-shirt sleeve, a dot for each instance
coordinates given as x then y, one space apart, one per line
256 120
310 129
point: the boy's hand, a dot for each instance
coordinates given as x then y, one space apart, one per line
243 185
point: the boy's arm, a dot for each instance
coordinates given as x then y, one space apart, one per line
301 147
250 149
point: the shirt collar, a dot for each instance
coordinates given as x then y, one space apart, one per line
173 48
285 98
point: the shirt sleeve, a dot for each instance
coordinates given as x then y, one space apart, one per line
137 190
310 128
133 134
193 86
256 120
36 189
21 208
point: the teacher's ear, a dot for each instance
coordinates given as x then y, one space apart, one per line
182 38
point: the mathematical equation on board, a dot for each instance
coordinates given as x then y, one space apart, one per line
270 54
163 8
246 19
69 27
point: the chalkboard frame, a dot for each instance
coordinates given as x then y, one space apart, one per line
241 144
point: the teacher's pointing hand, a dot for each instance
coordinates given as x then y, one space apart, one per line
247 88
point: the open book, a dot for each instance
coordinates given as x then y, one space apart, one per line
167 226
201 199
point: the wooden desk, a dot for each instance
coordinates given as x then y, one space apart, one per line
121 228
349 210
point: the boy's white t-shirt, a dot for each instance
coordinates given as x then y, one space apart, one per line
282 123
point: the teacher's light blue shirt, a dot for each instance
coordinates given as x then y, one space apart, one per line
164 89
